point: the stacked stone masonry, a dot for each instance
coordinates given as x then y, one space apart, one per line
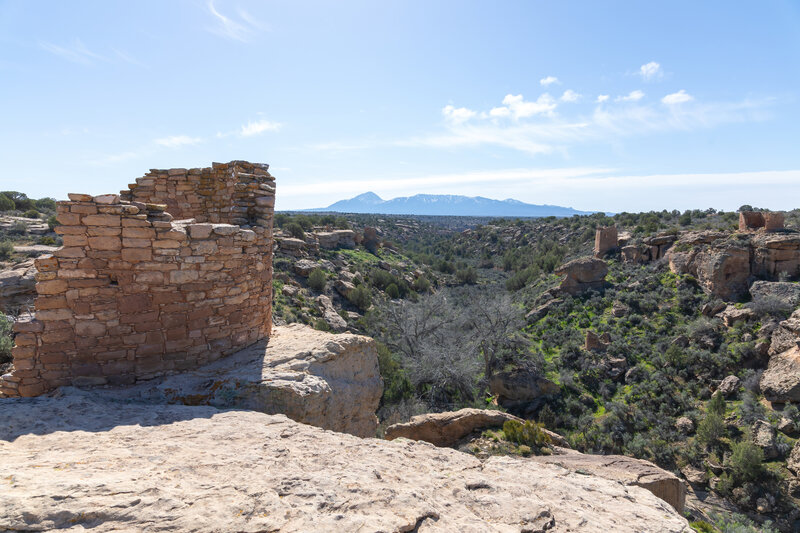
754 220
135 292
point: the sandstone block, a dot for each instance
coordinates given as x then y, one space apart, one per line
102 220
105 243
76 197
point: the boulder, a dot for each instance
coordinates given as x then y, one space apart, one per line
793 462
684 425
83 464
344 287
788 427
517 388
781 294
731 315
792 323
314 377
780 382
582 274
446 429
304 267
729 386
764 436
329 314
627 471
632 254
534 315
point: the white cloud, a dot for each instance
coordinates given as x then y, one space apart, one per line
517 107
76 52
237 30
549 80
602 98
500 112
176 141
651 71
633 96
258 127
457 115
570 96
680 97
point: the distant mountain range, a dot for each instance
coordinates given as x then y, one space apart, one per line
446 205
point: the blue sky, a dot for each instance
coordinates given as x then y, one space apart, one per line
616 106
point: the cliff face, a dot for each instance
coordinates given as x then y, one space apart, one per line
73 462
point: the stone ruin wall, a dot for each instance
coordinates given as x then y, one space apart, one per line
605 240
754 220
135 293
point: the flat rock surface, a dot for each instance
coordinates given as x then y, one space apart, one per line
626 470
75 463
314 377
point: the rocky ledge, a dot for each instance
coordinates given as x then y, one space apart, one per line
329 381
75 463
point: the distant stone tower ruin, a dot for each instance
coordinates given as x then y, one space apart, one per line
605 240
169 275
755 220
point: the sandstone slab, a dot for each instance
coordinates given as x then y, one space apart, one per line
626 470
326 380
75 464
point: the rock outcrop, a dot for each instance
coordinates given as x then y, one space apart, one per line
582 274
517 389
626 470
780 382
726 264
783 294
446 429
342 238
73 463
329 381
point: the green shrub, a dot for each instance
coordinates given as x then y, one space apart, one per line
746 461
6 248
317 280
392 291
711 429
396 385
45 203
52 222
421 285
321 325
295 230
6 341
716 405
360 297
467 276
19 228
31 213
6 203
527 433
